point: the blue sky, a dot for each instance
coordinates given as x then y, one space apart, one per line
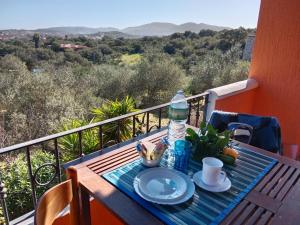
31 14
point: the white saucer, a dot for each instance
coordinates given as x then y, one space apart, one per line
218 188
175 199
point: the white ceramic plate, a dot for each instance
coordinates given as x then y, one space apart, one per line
224 186
162 184
150 181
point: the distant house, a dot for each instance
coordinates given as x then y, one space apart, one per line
249 47
4 37
72 46
36 70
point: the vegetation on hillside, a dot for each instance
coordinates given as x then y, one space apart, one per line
43 85
45 89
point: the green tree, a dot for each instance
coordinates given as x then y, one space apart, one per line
187 51
187 34
204 73
136 49
224 45
156 80
36 40
233 73
218 69
111 81
230 38
74 57
176 35
207 33
105 49
55 46
170 49
36 103
94 55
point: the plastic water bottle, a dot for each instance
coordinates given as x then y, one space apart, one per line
178 113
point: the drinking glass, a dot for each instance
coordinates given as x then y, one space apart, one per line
182 152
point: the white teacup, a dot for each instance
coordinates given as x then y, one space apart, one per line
212 173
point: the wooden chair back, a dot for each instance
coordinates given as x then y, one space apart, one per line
52 203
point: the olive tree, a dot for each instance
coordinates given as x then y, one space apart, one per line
217 69
112 81
203 74
233 73
34 102
156 80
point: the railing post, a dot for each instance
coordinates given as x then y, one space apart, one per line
31 176
147 122
56 151
3 203
206 101
198 113
189 113
133 126
159 119
100 132
80 143
118 132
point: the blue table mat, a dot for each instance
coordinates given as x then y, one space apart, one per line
204 207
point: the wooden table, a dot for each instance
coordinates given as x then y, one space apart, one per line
275 200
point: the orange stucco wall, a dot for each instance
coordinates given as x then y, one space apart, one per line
276 67
241 103
276 64
99 216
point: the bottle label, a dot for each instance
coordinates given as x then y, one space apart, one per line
178 114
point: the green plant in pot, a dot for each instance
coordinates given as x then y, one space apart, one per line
210 143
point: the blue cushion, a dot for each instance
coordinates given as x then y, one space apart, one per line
266 130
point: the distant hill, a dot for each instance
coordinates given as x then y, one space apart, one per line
75 30
163 29
150 29
113 34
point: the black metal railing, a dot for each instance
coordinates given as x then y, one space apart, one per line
140 125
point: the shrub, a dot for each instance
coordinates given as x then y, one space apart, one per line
112 109
69 144
132 59
15 179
